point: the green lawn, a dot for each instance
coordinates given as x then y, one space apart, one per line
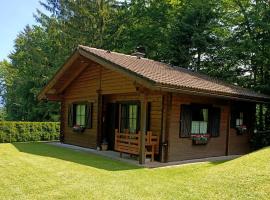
42 171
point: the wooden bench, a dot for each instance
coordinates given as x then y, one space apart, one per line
130 143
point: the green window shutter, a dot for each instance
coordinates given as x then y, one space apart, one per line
88 115
70 115
214 122
185 120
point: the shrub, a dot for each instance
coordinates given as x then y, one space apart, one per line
29 131
260 139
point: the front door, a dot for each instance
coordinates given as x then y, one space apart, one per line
111 123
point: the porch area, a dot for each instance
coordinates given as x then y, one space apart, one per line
132 160
132 144
130 124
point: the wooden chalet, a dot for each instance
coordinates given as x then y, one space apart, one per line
149 109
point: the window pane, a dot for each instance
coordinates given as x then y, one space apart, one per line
132 126
133 118
203 127
205 115
239 122
135 111
129 117
195 127
82 118
78 120
199 114
82 110
241 115
78 111
130 113
80 114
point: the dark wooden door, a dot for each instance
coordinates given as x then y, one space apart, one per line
112 121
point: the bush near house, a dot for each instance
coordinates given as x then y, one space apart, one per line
28 131
260 139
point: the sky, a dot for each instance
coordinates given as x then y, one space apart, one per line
14 16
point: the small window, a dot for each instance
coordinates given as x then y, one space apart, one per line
199 119
240 120
80 114
199 124
129 117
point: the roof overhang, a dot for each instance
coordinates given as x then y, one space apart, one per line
79 55
206 93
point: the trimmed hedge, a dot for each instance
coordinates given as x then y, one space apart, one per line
29 131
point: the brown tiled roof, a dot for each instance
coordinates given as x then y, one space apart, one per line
166 76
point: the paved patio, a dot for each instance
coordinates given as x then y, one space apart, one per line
133 160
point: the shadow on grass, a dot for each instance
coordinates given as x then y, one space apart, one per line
220 162
83 158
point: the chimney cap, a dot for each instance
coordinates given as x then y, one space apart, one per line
139 52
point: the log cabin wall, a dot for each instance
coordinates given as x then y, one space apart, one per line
84 88
240 144
183 149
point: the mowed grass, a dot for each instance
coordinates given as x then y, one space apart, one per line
42 171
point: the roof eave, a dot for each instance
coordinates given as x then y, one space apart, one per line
193 91
53 80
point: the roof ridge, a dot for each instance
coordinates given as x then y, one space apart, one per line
105 50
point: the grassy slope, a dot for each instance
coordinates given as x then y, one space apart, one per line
41 171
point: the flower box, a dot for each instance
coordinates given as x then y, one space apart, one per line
241 129
78 129
198 139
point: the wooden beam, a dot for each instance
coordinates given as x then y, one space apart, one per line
62 122
74 75
227 151
163 128
167 126
58 74
143 128
99 117
54 97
